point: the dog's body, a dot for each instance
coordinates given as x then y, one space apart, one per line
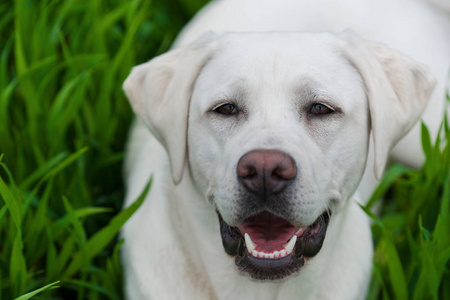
257 99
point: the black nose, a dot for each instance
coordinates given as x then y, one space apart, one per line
266 171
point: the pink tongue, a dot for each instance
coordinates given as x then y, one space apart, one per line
270 232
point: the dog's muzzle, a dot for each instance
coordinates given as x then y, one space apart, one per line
267 246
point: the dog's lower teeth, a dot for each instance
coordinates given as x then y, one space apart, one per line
288 248
273 255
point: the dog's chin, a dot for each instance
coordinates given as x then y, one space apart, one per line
268 247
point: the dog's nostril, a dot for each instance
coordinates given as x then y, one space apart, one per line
284 171
251 173
276 174
246 171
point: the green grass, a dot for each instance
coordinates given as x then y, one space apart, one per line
412 235
63 126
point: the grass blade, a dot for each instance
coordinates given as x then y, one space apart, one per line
18 268
12 203
35 292
102 238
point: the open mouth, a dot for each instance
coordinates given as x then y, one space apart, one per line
268 247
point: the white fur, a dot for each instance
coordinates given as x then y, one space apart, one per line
173 248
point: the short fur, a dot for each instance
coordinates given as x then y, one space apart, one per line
172 247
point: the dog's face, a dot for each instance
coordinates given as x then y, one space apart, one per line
278 93
277 131
271 141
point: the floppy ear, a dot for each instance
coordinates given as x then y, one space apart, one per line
397 89
160 92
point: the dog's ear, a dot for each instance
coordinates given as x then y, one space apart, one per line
160 92
397 89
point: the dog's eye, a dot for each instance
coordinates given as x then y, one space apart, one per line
226 109
320 109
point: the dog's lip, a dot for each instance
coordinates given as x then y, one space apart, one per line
308 242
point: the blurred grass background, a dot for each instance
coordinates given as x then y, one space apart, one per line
63 126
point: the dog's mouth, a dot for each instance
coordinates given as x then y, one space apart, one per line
268 247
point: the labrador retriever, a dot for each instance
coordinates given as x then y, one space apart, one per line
257 137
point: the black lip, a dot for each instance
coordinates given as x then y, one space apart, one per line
232 239
269 269
307 246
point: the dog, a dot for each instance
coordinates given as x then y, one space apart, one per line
263 134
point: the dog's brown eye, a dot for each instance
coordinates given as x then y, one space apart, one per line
226 109
320 109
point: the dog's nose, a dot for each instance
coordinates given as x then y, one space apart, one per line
266 171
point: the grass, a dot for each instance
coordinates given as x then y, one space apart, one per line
63 126
412 234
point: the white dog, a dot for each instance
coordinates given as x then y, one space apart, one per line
260 140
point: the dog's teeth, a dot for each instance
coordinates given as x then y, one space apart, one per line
249 243
288 248
300 231
290 245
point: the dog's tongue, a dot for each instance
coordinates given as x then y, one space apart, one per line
268 231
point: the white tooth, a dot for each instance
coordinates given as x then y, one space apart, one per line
283 253
300 231
271 255
290 245
277 254
255 253
249 243
266 255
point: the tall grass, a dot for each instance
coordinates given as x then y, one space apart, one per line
412 234
63 126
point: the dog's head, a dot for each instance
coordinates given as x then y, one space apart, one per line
274 128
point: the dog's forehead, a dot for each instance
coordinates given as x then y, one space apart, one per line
279 62
281 47
279 57
277 40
